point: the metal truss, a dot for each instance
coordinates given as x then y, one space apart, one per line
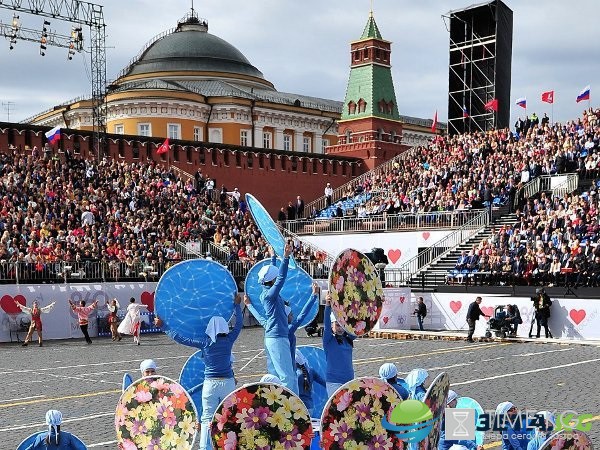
81 13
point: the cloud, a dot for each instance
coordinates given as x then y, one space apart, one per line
303 47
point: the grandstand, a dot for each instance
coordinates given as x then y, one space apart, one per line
513 202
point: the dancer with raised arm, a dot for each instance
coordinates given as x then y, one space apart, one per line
83 313
36 320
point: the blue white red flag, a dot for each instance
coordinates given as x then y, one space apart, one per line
465 112
522 102
53 135
584 94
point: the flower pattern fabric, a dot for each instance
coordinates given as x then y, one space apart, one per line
356 292
568 440
435 399
262 416
352 418
155 413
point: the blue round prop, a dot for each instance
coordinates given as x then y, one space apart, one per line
192 379
469 403
127 381
189 294
267 227
77 443
315 357
296 290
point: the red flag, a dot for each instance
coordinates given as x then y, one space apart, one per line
548 97
492 105
164 148
434 125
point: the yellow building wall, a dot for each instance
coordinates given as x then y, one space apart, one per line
158 126
232 132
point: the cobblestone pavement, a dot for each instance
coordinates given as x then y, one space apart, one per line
84 381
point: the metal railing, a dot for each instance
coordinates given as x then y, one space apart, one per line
321 202
383 222
326 259
403 274
186 176
111 271
544 183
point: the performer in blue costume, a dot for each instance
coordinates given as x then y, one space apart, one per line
277 343
541 435
338 346
445 444
54 438
293 324
416 383
515 437
389 372
307 376
218 374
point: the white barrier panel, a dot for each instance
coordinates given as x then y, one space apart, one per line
570 318
399 247
61 322
396 311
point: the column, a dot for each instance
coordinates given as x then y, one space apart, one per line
317 143
278 139
258 136
299 138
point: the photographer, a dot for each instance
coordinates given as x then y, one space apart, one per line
541 303
421 312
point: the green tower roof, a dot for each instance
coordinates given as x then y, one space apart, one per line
371 31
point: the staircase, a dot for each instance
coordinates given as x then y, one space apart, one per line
435 274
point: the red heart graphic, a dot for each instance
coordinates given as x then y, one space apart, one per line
394 255
487 310
455 306
7 302
402 299
147 299
386 319
577 315
426 235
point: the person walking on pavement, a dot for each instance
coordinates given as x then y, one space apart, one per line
542 303
420 311
83 312
473 315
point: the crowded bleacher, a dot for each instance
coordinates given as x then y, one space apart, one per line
111 220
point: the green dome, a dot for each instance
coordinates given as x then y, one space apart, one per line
192 48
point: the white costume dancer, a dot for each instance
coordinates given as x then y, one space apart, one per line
131 321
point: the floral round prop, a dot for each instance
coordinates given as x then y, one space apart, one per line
155 413
353 416
261 416
356 292
435 399
568 440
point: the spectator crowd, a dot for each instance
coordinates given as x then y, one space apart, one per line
68 214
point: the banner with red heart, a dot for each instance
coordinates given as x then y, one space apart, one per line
147 298
488 311
426 235
577 315
394 255
385 319
7 303
455 306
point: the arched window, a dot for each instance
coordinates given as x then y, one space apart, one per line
351 107
362 105
348 136
380 134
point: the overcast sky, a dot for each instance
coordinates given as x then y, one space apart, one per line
302 46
